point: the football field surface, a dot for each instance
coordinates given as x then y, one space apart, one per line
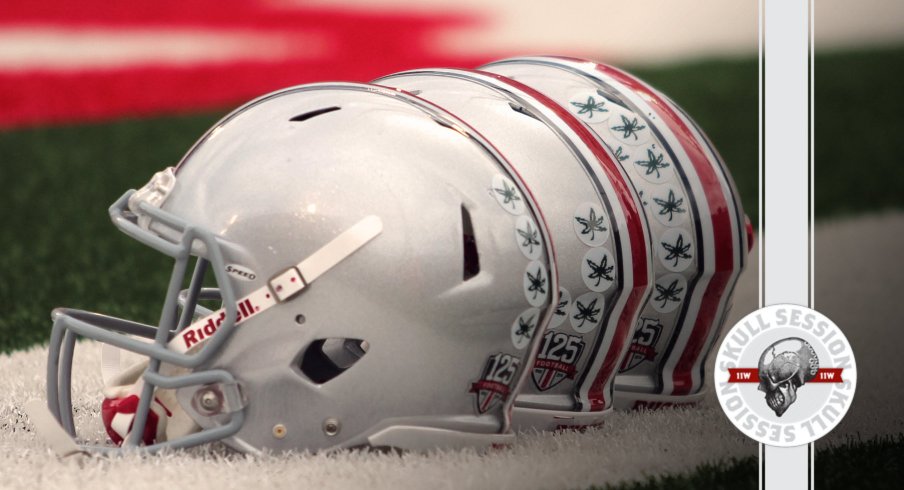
629 447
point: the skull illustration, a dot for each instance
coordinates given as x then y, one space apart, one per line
784 367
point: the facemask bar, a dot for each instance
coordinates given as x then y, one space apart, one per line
186 300
70 324
189 300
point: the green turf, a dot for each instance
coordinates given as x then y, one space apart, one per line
58 245
876 464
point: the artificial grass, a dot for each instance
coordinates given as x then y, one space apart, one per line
734 474
877 464
57 246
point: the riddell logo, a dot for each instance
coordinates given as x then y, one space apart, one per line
207 326
785 375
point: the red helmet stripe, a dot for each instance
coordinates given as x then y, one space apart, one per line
636 234
721 223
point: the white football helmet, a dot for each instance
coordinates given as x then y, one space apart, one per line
701 236
373 286
595 218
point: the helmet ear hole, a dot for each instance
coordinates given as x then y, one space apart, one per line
326 359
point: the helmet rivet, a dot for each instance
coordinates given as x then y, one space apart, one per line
300 319
331 427
279 431
209 400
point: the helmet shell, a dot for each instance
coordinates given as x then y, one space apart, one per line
699 234
429 306
601 237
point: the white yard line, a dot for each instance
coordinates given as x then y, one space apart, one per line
632 32
56 48
642 31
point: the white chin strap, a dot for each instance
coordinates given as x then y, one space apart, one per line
50 430
282 287
119 382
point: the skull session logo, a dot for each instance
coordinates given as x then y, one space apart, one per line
781 374
785 375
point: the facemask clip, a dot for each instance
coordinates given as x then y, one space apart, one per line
154 193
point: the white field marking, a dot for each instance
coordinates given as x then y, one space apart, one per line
640 32
855 287
617 31
57 48
620 32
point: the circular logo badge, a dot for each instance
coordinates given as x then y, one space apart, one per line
590 224
590 106
668 293
676 249
627 127
598 269
653 165
587 312
785 375
535 283
527 235
524 327
669 206
507 195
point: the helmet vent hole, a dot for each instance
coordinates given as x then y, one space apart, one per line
521 110
469 242
325 359
309 115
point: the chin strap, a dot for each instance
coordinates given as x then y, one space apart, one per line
283 286
50 430
122 387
